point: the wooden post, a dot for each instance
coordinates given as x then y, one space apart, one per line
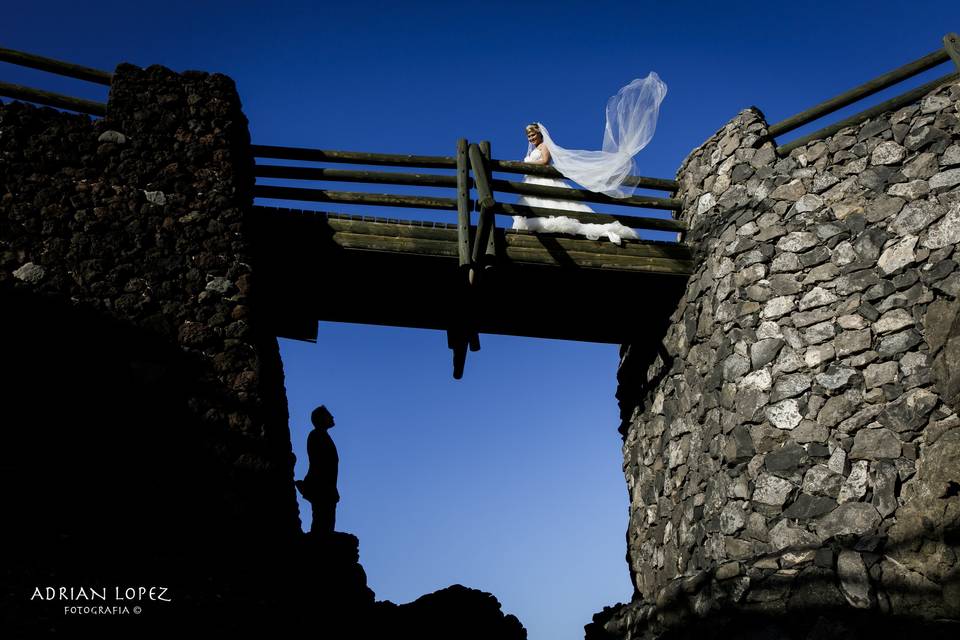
459 359
459 335
951 42
463 203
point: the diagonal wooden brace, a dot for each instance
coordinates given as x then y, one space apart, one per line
490 254
485 203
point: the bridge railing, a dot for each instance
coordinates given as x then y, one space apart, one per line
473 169
261 170
949 51
59 67
469 158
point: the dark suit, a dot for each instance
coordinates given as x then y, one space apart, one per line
320 484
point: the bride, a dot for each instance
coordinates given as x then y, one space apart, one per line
631 121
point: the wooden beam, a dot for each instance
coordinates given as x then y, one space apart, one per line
634 248
889 105
525 239
58 67
52 99
858 93
353 157
352 197
582 195
516 254
341 175
546 171
592 260
657 224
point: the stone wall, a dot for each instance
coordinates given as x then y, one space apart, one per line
144 415
795 446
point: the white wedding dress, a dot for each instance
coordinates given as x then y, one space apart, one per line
615 231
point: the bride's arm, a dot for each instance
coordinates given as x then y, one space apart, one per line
544 154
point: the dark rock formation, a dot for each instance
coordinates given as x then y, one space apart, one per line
143 428
452 612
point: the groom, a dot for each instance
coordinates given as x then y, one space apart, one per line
319 486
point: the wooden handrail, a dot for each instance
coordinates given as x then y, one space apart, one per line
342 175
436 180
890 105
352 197
354 157
582 195
59 67
431 162
867 89
52 99
546 171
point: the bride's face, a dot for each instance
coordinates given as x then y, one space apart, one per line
534 137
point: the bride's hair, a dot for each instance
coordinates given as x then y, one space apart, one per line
533 126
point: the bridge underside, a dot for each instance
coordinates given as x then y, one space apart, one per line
314 266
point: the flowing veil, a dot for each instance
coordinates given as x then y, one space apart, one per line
631 121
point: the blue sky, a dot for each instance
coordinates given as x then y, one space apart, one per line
508 480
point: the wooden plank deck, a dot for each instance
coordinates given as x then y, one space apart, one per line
315 266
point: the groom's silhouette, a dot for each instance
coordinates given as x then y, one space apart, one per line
319 486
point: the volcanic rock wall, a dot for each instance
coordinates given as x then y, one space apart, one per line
796 446
144 421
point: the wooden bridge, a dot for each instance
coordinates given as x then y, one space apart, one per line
469 276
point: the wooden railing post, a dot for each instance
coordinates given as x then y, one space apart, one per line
458 344
461 334
951 42
463 203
